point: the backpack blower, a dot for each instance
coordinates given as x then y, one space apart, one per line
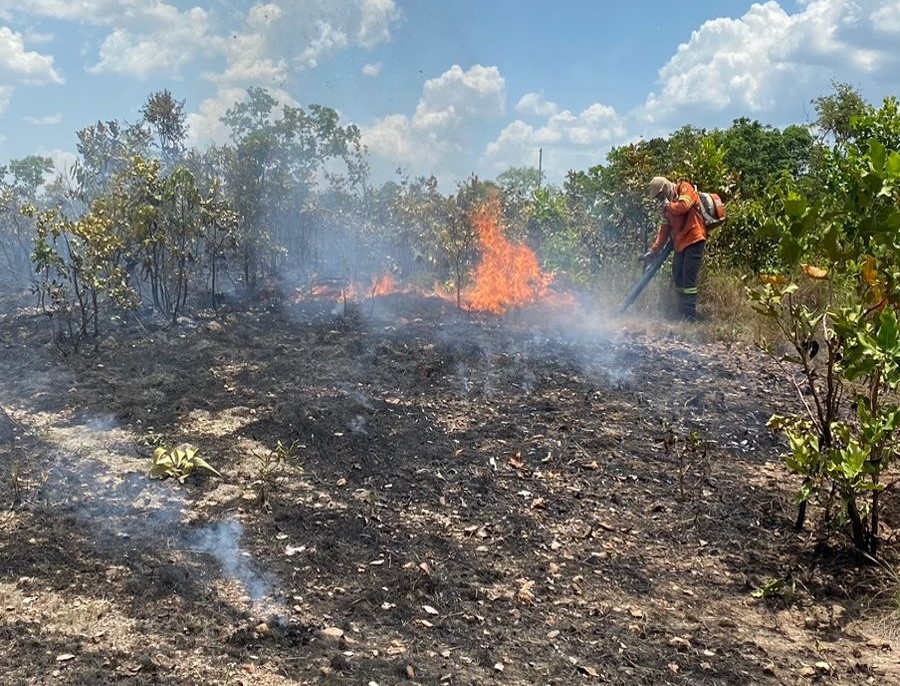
650 272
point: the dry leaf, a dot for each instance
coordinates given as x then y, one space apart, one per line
814 272
410 672
553 634
537 502
64 657
499 667
430 610
590 671
516 461
526 592
773 279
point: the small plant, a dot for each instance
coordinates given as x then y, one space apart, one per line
270 464
178 463
784 590
690 450
150 439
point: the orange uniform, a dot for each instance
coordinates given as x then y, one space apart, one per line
681 220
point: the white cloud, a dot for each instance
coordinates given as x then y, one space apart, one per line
451 106
48 120
376 19
569 141
204 125
768 60
169 40
887 18
282 37
23 65
372 70
145 38
534 104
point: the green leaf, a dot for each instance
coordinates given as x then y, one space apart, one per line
892 166
203 464
877 156
795 206
887 331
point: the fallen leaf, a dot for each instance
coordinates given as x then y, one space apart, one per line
516 461
526 591
430 610
553 634
590 671
410 672
537 502
814 272
499 667
64 657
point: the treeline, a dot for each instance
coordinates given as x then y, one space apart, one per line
144 221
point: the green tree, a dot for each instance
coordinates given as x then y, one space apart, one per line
850 230
20 186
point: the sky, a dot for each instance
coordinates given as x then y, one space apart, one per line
442 87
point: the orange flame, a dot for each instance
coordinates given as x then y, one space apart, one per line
509 275
383 285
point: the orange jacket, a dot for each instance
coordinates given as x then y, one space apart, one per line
681 220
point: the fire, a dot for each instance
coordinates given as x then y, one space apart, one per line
340 290
383 285
509 275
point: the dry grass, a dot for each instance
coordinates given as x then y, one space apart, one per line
728 314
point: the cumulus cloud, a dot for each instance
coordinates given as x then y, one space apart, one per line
451 105
886 19
145 38
534 104
278 39
171 40
570 141
22 65
767 58
372 70
48 120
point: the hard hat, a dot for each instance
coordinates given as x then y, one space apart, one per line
657 185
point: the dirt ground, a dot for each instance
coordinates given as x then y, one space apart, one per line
520 500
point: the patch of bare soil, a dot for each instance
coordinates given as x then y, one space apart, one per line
468 502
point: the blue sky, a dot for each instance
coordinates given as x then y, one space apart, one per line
437 86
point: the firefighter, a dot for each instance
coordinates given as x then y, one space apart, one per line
682 222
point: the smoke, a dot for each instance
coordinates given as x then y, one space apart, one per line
98 478
222 540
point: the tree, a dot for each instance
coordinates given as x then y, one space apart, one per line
843 449
279 155
760 154
20 186
167 120
835 112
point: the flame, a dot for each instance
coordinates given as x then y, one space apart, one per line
347 291
383 285
509 275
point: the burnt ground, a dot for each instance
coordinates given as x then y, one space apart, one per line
469 502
